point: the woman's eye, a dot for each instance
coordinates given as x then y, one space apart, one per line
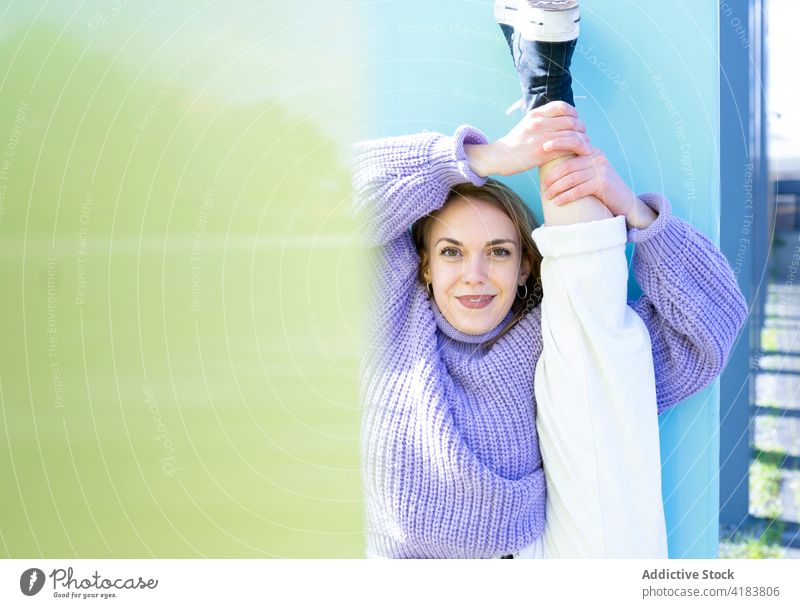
501 253
449 252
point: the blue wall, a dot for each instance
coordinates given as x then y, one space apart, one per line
650 76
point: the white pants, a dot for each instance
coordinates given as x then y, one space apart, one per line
596 402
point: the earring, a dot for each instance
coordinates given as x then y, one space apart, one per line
428 287
525 295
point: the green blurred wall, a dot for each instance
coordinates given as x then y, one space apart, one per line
180 311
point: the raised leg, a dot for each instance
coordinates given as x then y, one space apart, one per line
596 414
541 35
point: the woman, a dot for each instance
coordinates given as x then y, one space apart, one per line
461 353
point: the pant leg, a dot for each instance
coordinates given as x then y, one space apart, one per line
508 33
596 402
542 68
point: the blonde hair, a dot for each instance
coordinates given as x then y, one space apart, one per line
504 198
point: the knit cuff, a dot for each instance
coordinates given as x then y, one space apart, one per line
659 204
667 240
449 164
576 239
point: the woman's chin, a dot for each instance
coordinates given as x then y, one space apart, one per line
476 327
474 321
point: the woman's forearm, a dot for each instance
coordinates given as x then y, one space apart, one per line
640 216
482 159
498 158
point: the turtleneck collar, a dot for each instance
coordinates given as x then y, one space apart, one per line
452 333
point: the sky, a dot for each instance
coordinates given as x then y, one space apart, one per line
783 89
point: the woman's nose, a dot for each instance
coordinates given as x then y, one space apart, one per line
475 271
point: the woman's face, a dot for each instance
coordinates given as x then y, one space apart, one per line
474 256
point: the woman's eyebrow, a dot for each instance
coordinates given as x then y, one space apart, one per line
488 244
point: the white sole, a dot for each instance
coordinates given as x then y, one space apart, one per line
538 24
506 11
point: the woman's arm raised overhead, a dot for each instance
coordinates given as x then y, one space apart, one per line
692 305
398 180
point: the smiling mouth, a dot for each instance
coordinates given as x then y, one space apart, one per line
475 301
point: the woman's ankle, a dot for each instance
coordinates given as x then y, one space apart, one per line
586 209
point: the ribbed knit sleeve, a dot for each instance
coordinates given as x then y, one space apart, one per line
691 305
398 180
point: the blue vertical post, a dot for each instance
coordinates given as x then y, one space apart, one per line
647 76
743 232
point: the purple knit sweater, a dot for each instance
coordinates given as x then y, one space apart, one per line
450 456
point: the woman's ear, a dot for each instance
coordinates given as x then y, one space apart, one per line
423 264
524 270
